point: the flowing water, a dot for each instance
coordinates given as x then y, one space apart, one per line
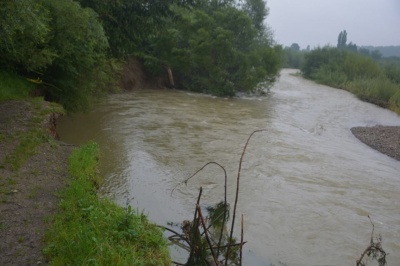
307 184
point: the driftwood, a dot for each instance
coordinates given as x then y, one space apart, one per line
374 250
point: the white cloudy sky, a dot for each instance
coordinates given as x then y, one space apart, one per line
319 22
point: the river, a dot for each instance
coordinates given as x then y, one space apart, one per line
307 184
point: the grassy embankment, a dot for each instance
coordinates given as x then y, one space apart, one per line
89 230
86 230
369 80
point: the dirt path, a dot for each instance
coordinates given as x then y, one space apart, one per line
27 194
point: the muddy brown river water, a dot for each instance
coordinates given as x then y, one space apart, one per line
307 184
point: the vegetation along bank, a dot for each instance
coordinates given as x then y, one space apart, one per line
50 212
367 74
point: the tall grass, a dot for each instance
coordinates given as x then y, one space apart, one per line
92 231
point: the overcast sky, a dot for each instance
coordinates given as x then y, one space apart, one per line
319 22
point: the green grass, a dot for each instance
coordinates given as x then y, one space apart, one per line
14 87
92 231
26 148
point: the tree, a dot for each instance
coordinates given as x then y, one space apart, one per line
129 24
352 47
80 68
25 31
375 54
364 51
217 51
342 40
257 11
295 47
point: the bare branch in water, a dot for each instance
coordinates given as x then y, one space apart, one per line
374 250
237 191
206 234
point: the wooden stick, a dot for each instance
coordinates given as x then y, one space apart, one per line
206 234
237 192
241 243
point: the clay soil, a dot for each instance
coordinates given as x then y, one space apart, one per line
27 194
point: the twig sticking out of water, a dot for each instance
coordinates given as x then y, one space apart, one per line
237 190
200 243
374 250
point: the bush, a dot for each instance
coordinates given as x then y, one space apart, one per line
394 102
375 90
13 86
392 70
325 75
356 73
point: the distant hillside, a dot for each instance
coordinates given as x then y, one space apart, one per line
386 51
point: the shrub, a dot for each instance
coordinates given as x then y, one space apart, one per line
375 90
13 86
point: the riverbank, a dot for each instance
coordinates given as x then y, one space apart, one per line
385 139
37 174
33 167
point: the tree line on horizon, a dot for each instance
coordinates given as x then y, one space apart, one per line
75 50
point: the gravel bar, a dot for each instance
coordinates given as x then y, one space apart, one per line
385 139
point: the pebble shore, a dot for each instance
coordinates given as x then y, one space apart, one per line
385 139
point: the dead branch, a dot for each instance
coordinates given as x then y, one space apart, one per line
180 236
206 234
374 249
225 197
241 242
237 191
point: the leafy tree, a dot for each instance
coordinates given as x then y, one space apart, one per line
217 51
342 39
25 31
130 24
257 11
352 47
375 54
364 51
80 45
295 47
293 58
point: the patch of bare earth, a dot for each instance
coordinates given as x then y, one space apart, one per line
385 139
28 194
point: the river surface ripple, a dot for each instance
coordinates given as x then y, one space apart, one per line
307 184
